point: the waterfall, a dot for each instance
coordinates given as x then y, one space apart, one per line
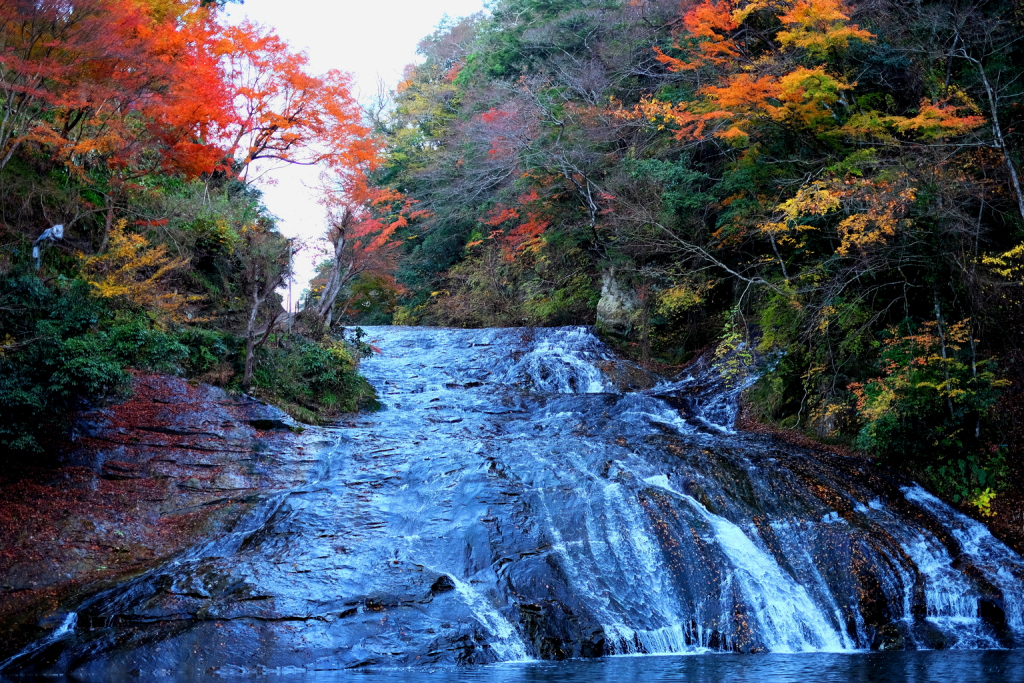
1000 565
527 494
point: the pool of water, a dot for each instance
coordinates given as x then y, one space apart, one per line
919 667
990 666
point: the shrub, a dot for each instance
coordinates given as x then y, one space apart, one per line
926 411
63 349
312 380
52 358
133 274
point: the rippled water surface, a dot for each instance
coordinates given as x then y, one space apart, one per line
915 667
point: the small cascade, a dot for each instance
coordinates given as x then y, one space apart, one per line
951 601
66 627
640 409
783 609
524 494
504 638
559 361
656 612
1000 565
710 391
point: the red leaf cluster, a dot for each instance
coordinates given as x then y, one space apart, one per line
137 87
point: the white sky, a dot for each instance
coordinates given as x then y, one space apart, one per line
371 39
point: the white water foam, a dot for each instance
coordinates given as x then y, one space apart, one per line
997 562
560 361
788 619
66 626
506 640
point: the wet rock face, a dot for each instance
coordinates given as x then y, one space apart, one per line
513 501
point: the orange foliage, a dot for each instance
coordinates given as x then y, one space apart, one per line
757 81
363 221
146 85
819 27
114 80
713 22
493 116
953 115
766 85
875 211
525 237
499 215
878 208
284 113
801 98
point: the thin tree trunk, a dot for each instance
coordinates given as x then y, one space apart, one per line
974 374
997 132
253 338
250 350
338 276
250 339
945 361
782 264
108 223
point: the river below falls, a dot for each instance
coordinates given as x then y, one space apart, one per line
524 497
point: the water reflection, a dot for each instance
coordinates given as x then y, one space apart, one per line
875 667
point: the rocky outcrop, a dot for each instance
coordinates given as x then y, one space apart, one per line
617 307
138 482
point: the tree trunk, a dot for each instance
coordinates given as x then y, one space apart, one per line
255 338
108 223
250 350
945 360
974 375
250 339
339 276
997 132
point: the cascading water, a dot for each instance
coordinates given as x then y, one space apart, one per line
515 499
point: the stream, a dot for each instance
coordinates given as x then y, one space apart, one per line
526 495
